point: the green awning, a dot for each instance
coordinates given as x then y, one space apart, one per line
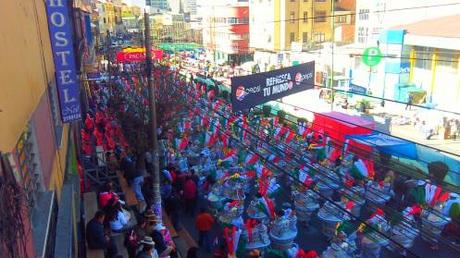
178 46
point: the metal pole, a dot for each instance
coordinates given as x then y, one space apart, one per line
153 120
332 52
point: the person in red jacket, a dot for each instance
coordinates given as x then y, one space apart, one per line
190 194
204 222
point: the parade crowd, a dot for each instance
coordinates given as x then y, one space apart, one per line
252 176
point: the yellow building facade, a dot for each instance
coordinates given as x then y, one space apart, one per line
307 22
27 77
274 25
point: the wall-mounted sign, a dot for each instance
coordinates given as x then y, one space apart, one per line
60 29
252 90
372 56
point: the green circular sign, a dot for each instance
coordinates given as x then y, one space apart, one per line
372 56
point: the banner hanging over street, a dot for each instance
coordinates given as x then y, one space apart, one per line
252 90
138 56
60 28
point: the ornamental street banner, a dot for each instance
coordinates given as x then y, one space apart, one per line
252 90
138 56
59 25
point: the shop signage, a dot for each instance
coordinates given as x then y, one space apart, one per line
372 56
357 89
252 90
60 29
139 56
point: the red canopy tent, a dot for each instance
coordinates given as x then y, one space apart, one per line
337 126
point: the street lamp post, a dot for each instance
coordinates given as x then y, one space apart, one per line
153 119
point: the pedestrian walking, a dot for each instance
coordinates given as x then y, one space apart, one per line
190 195
172 207
204 222
147 191
410 100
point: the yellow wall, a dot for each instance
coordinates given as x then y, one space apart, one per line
59 164
299 26
277 16
26 65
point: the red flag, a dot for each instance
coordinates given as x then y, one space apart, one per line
251 159
224 139
379 212
415 210
290 136
250 224
349 206
280 132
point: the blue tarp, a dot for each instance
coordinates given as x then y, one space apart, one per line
387 144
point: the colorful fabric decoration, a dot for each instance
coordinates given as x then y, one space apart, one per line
251 159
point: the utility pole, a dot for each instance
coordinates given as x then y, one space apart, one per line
332 52
153 119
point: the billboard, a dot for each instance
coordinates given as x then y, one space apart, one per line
252 90
60 28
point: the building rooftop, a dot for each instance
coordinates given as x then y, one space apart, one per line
445 27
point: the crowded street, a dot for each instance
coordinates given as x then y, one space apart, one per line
230 129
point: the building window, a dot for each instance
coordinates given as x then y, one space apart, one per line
341 19
292 37
447 60
304 37
320 16
305 16
232 20
363 14
305 1
320 37
292 17
362 34
423 58
292 1
320 1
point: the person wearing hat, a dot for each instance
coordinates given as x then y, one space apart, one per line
148 248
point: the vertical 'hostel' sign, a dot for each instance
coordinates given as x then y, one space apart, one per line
64 60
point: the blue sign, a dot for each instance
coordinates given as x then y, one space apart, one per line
405 67
357 89
252 90
64 59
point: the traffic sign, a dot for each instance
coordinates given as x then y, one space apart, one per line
372 56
